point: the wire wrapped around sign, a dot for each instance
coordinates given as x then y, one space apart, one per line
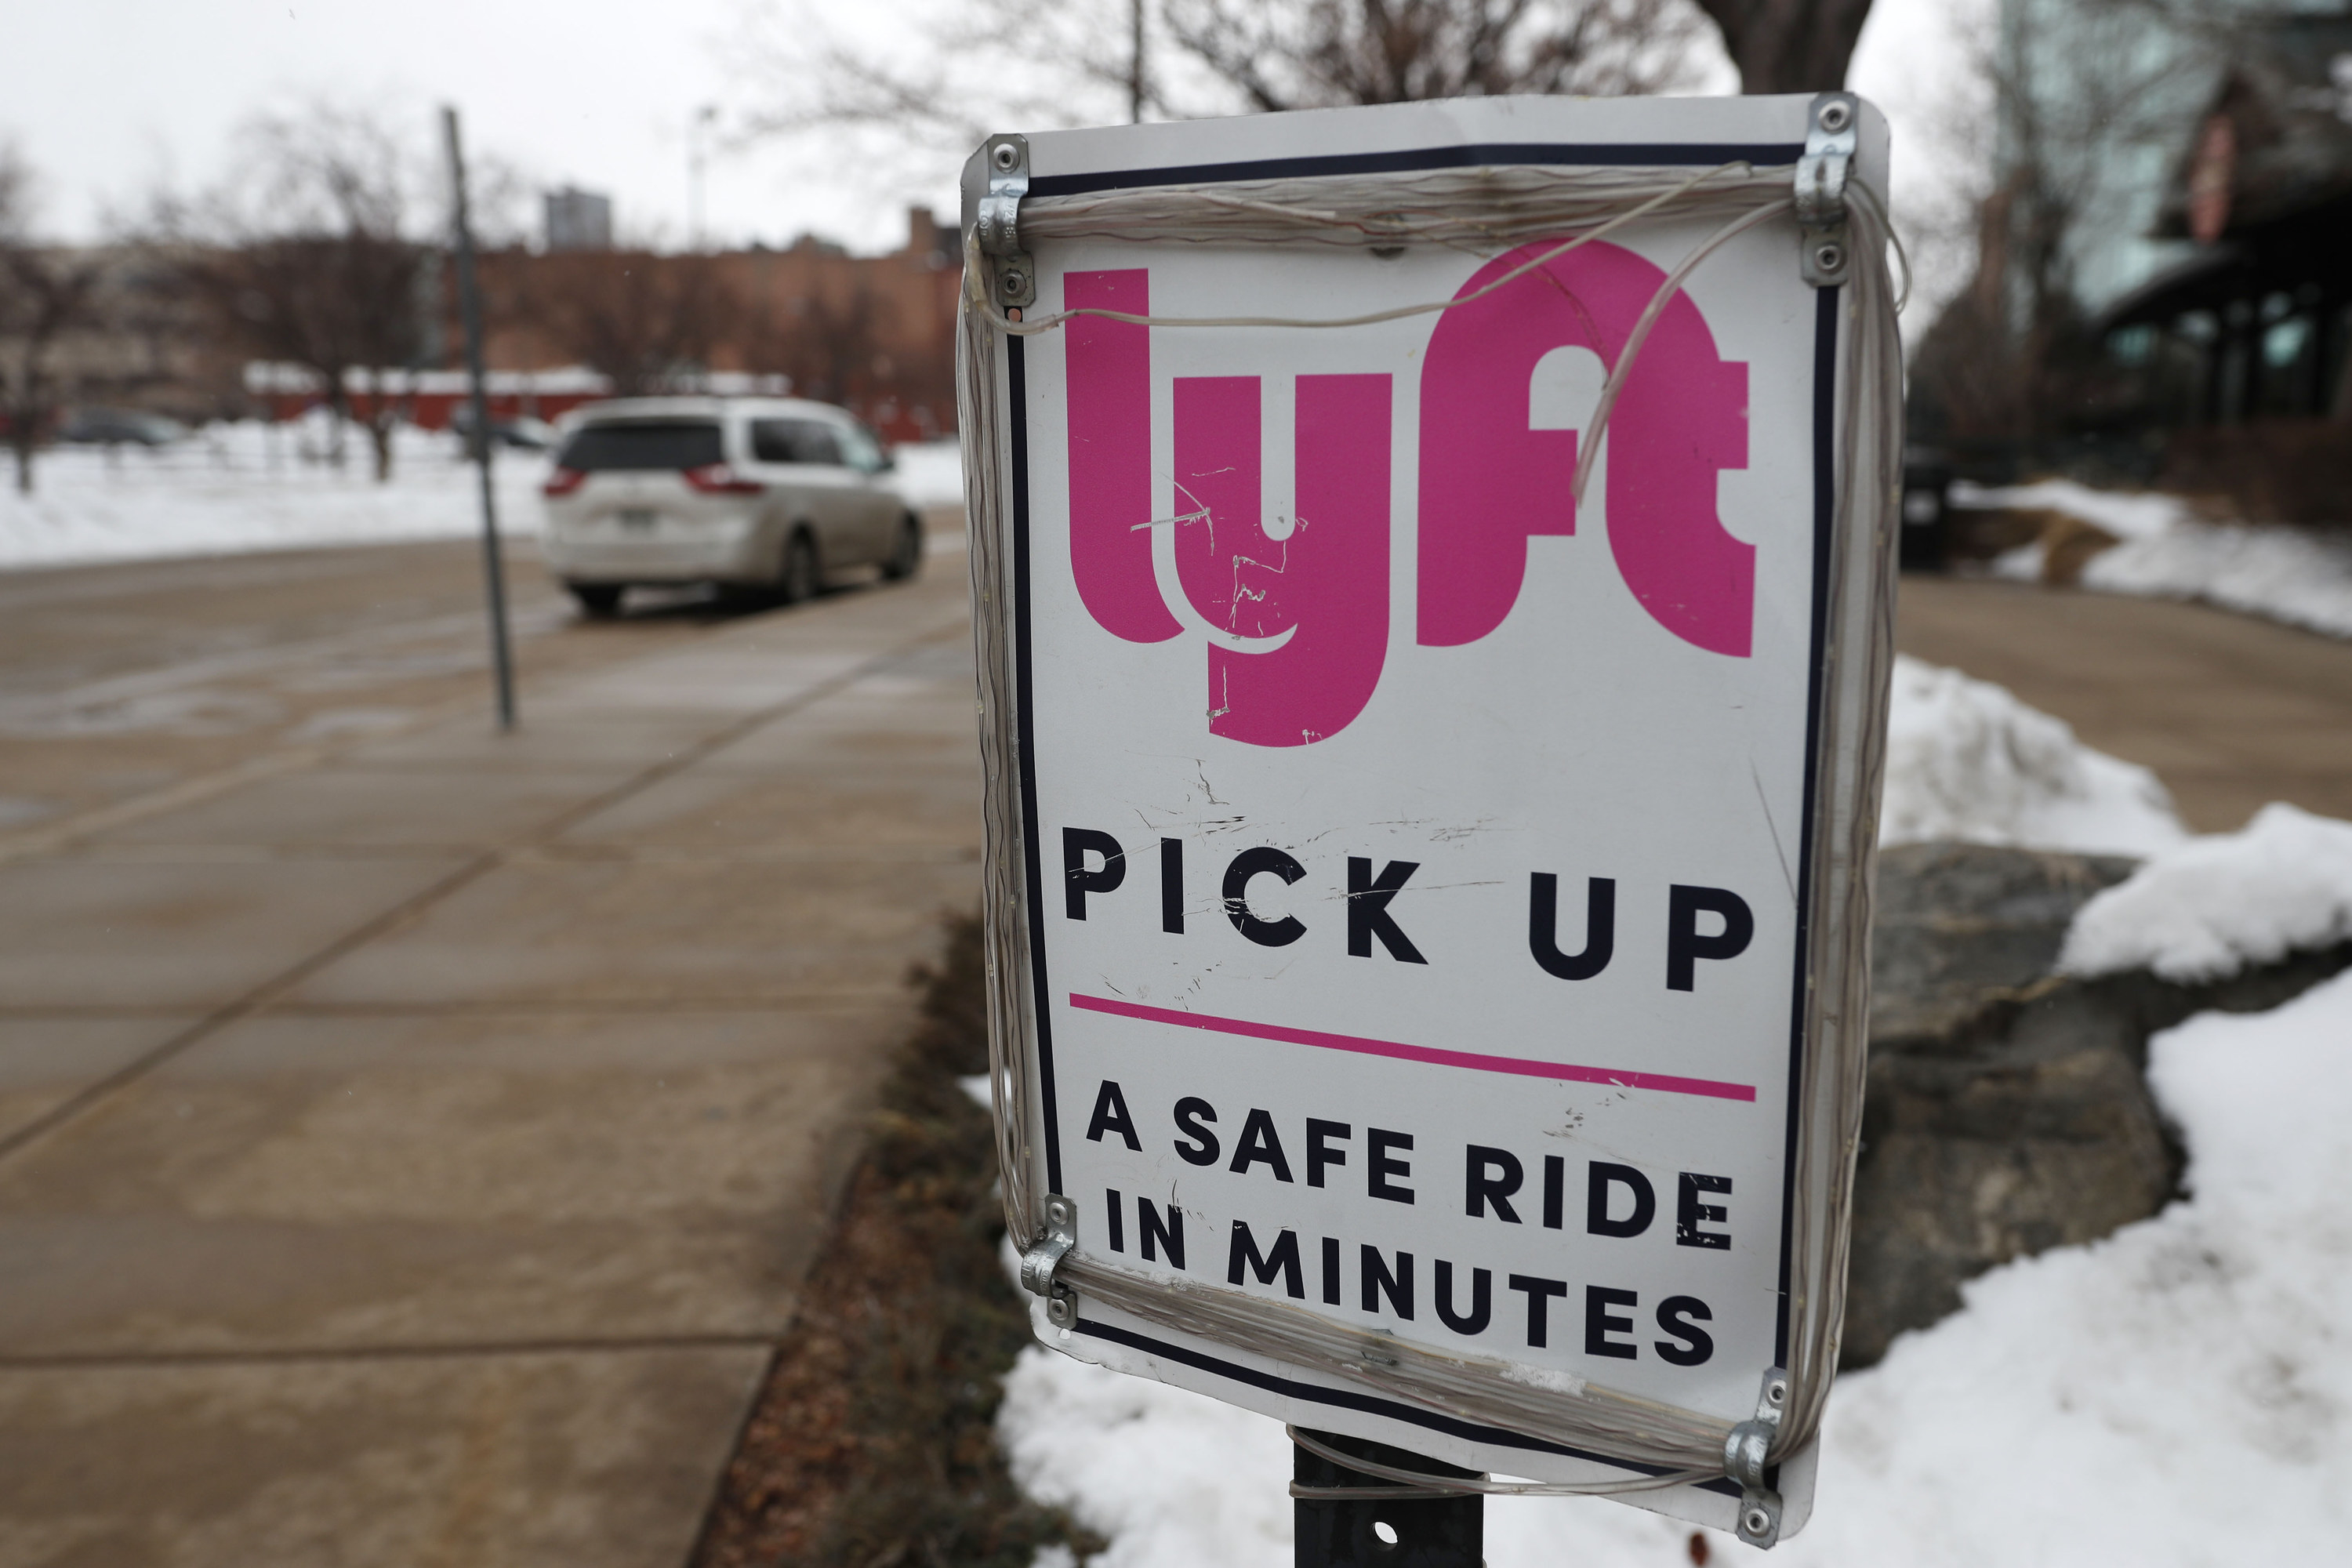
1421 1484
1486 212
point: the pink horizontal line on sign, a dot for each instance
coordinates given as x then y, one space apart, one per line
1522 1066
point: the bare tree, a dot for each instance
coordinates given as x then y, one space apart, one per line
1314 54
994 62
1789 45
987 61
2076 93
831 348
44 293
307 259
648 322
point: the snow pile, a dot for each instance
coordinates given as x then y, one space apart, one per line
2178 1393
252 486
2297 575
1966 760
2214 905
1174 1479
931 473
2124 515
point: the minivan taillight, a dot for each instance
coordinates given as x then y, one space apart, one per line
562 482
718 480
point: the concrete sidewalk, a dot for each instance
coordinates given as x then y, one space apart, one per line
411 1160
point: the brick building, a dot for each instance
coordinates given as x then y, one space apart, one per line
874 333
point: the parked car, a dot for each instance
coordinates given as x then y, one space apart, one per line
119 426
774 494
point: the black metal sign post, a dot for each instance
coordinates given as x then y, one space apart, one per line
469 304
1344 1518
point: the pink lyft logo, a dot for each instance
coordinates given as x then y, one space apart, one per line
1488 483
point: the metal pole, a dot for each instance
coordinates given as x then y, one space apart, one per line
470 305
1135 65
697 160
1386 1530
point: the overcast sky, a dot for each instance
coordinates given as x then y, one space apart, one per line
108 99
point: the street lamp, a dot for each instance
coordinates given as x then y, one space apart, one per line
698 158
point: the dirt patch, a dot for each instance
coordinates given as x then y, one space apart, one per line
2067 546
872 1445
1979 533
2068 542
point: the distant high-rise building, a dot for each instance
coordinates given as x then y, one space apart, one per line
579 220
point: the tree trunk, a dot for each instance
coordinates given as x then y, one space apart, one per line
383 413
380 437
20 438
339 418
1789 45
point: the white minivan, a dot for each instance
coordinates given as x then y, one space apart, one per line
775 494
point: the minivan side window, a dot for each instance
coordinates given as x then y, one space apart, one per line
865 453
794 441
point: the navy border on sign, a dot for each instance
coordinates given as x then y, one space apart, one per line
1540 153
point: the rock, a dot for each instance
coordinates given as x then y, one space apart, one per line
1958 924
2008 1109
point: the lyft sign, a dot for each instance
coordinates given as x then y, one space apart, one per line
1487 482
1410 867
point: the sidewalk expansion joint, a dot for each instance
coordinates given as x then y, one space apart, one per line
81 1361
848 1003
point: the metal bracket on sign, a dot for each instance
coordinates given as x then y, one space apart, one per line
1825 255
1012 278
1744 1453
1045 1254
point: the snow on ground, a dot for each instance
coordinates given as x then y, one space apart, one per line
2213 905
2121 514
253 486
1966 760
2301 576
931 473
2125 515
1174 1479
2178 1393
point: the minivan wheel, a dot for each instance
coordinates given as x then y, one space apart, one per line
907 555
599 600
798 580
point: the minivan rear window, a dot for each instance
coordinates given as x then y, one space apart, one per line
642 444
794 441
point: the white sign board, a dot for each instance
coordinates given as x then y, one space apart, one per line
1425 906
